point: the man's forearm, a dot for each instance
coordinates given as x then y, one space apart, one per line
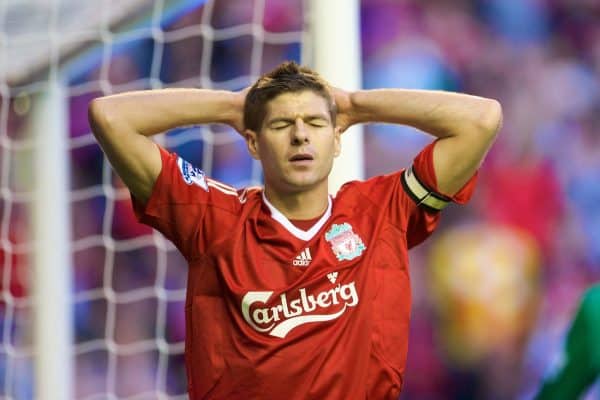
154 111
466 125
121 123
439 113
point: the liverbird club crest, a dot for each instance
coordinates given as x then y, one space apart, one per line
346 244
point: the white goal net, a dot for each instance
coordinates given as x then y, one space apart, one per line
128 282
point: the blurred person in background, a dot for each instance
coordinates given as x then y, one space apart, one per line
578 366
282 302
484 281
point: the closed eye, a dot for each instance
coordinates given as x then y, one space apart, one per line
318 122
278 125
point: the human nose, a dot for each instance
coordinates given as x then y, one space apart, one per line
299 133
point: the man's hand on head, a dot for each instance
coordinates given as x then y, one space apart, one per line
237 121
344 108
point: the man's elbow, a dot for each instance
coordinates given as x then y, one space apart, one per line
491 118
99 116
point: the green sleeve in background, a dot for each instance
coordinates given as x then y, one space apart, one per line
580 366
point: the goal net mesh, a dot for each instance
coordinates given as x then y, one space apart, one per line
129 282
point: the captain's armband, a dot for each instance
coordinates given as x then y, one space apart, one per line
421 194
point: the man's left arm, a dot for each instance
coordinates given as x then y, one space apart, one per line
465 125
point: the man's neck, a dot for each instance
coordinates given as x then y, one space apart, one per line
299 205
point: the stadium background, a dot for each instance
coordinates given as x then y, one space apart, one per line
494 288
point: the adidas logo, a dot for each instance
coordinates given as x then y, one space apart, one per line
303 259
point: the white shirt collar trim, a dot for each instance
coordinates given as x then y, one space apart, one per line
291 228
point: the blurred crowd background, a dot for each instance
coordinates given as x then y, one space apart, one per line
496 285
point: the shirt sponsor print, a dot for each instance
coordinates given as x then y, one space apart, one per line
279 317
192 175
346 244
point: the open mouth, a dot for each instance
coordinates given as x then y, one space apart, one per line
301 157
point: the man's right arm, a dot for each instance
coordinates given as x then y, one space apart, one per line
122 124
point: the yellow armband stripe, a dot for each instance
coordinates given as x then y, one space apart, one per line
421 194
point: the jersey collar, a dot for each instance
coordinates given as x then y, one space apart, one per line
291 228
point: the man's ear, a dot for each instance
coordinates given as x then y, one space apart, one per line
337 149
252 143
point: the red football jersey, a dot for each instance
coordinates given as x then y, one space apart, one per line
276 312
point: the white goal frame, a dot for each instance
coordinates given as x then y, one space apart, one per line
336 54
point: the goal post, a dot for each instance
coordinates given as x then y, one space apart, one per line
52 262
334 31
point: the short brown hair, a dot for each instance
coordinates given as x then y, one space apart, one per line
285 78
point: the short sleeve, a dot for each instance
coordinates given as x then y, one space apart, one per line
410 198
420 184
177 204
424 171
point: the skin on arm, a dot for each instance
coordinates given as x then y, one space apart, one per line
122 124
466 125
